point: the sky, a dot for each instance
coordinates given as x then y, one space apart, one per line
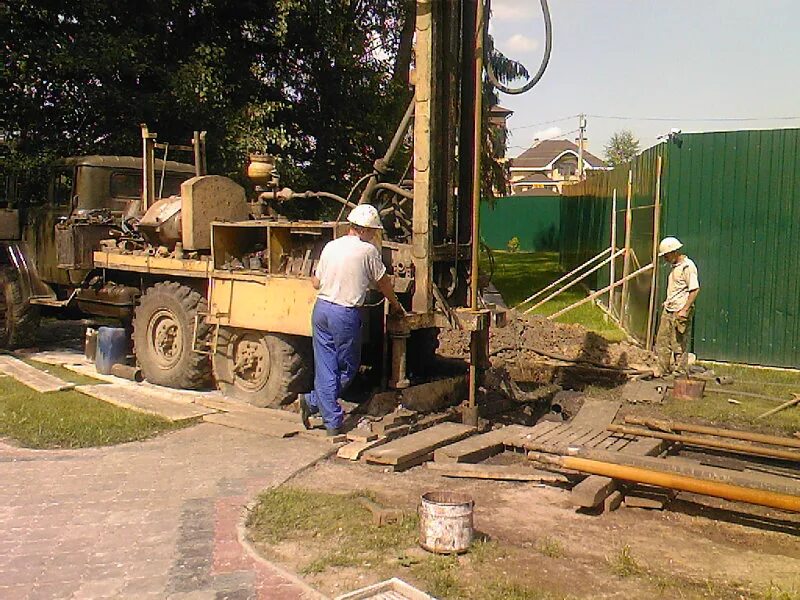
688 60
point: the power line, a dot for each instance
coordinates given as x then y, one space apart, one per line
694 119
543 123
547 138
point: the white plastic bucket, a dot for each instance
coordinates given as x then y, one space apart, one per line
445 522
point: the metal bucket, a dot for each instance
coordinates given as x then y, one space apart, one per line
445 522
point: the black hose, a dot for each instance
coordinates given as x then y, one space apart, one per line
548 46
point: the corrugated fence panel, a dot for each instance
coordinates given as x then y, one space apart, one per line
534 220
733 198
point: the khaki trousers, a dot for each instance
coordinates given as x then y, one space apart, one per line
671 341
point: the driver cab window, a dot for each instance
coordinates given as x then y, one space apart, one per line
63 182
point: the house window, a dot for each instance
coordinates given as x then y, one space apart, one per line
567 167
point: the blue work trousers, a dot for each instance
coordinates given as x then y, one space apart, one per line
337 355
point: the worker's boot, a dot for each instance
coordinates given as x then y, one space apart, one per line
333 431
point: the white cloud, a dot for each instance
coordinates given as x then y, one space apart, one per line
513 10
521 43
546 134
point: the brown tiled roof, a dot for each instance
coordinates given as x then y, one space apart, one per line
538 192
534 178
543 153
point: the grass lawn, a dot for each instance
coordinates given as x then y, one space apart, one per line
70 419
518 275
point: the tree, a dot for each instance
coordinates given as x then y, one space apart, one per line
621 148
298 79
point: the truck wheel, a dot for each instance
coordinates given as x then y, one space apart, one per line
262 369
19 320
163 330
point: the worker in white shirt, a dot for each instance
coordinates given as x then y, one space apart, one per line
347 268
675 326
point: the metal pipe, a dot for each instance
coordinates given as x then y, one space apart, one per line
599 265
557 281
600 292
725 433
612 268
654 279
708 443
470 415
127 372
382 164
673 481
408 194
792 402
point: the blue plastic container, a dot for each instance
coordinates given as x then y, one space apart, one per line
112 348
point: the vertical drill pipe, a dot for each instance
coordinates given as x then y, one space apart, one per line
716 431
477 34
673 481
746 449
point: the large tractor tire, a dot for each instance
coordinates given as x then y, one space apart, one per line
163 335
262 369
19 320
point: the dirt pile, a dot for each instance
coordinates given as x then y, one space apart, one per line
529 337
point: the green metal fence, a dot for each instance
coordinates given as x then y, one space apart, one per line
733 198
534 220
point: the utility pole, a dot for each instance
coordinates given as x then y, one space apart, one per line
581 135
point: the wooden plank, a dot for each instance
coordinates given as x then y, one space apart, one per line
32 377
222 403
361 434
264 425
134 398
516 440
599 440
417 444
54 357
595 489
354 450
497 472
476 448
596 413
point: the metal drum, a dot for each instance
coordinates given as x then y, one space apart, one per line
445 522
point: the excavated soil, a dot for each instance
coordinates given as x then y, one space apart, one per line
526 339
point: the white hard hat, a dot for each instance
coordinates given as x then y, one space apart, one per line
669 244
365 215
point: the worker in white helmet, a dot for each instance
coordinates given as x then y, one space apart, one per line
675 326
347 268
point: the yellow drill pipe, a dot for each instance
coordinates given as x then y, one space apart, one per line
673 481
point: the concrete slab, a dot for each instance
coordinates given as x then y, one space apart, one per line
32 377
139 397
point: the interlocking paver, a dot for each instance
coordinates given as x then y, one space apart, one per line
156 519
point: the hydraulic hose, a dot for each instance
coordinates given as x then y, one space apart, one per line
548 46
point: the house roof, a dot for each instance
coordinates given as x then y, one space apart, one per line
549 192
546 152
500 111
535 178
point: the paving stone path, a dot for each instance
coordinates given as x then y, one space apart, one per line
155 519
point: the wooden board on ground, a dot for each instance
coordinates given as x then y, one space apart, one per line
477 448
407 449
497 472
221 403
263 424
596 413
354 450
137 398
595 489
55 357
31 376
517 439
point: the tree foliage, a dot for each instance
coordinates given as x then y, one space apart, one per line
300 79
621 148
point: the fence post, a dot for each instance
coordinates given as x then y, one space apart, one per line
654 277
611 303
626 263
